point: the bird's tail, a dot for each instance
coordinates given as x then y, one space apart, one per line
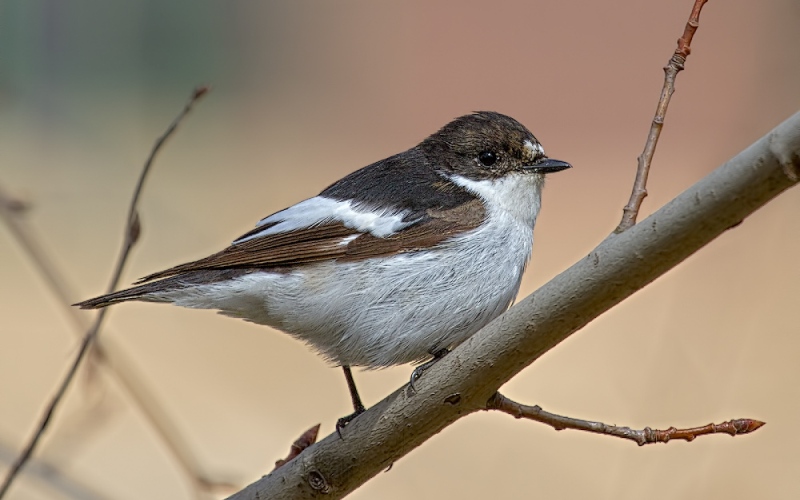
146 292
161 289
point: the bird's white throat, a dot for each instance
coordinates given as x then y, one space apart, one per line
518 195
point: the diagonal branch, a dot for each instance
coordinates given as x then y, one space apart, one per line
639 436
132 230
671 70
463 381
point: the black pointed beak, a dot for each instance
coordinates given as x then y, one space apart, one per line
547 166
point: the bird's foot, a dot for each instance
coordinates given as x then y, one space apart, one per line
342 422
418 371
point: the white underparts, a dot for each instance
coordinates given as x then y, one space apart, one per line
397 309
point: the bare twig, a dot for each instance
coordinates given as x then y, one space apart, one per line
639 436
305 440
132 230
12 212
52 477
169 433
671 70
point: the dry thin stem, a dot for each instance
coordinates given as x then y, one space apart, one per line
132 230
53 478
671 70
639 436
12 212
305 440
103 352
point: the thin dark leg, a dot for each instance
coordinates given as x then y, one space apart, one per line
358 406
418 371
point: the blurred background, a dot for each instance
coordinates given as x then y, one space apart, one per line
306 92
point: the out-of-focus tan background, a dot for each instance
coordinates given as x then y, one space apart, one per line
306 92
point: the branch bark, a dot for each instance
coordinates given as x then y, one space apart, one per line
464 381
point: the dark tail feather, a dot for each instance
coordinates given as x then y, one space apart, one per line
134 293
146 291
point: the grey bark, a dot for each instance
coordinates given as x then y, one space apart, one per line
463 381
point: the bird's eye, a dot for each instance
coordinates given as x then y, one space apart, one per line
487 158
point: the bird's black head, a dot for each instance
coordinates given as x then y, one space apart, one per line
486 145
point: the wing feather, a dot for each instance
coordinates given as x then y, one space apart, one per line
333 240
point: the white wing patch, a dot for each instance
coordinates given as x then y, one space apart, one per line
380 222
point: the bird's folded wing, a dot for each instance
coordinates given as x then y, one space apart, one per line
332 240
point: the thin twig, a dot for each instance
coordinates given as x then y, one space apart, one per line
639 436
305 440
132 230
52 477
671 70
12 212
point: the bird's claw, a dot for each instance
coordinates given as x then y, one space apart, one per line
418 371
342 422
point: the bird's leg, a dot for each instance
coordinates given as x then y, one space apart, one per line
358 406
418 371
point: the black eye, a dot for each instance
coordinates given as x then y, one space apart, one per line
487 158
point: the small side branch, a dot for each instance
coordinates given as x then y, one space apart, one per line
671 70
639 436
132 231
305 440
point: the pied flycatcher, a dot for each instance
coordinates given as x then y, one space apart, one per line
395 263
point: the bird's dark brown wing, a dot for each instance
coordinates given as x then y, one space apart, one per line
332 241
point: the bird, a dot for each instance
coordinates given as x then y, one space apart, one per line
395 263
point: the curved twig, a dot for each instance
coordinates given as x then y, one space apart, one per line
639 436
132 230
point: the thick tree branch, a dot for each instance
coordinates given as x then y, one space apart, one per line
639 436
462 382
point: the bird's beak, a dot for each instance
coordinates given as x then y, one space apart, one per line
547 166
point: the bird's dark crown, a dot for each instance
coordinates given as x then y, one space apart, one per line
484 144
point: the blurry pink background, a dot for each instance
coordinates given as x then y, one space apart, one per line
306 92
